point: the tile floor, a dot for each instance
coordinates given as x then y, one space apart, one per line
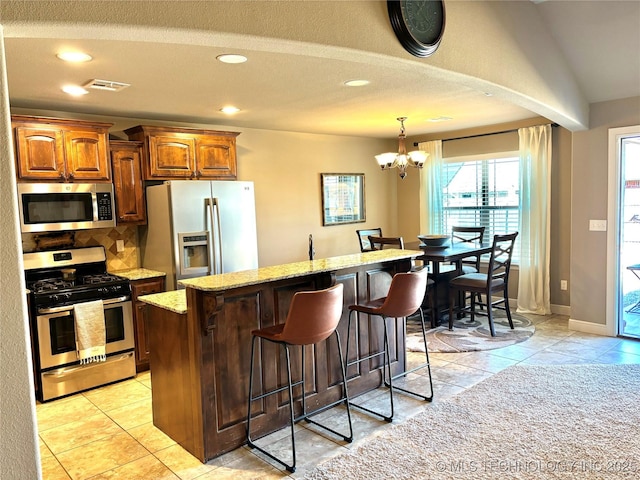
107 433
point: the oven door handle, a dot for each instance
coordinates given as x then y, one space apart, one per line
61 372
68 308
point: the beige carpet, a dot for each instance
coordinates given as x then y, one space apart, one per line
468 336
526 422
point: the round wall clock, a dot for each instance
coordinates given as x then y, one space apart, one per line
418 24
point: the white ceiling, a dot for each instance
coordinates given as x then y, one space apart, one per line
171 82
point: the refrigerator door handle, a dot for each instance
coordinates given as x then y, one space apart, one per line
216 247
213 268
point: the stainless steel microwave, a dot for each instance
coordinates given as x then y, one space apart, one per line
46 207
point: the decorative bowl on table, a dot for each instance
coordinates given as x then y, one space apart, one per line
434 240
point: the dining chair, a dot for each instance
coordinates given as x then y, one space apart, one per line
496 280
378 243
404 298
471 264
363 237
313 317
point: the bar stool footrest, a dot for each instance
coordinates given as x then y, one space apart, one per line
378 414
427 398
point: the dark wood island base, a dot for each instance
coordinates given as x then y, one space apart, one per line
200 352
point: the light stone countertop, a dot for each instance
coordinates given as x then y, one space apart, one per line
138 273
174 301
227 281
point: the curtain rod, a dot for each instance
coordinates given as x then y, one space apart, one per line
415 144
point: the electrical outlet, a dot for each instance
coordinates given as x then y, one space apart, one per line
563 284
120 245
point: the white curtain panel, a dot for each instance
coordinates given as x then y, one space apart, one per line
431 189
535 204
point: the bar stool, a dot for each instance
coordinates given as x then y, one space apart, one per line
313 316
404 298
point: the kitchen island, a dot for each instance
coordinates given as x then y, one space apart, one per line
200 342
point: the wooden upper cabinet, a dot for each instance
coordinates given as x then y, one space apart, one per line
216 157
186 153
128 187
39 153
61 150
172 156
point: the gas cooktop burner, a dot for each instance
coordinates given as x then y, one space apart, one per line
50 284
100 278
45 277
56 284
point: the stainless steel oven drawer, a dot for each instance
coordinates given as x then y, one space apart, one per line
67 380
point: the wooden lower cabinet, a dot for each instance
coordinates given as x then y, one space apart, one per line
140 317
200 360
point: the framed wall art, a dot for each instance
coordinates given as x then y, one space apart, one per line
342 198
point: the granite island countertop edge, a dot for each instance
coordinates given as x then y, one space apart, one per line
226 281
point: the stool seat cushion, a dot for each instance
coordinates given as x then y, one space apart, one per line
371 307
270 333
475 281
469 269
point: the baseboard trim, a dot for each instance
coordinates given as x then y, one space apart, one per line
561 309
589 327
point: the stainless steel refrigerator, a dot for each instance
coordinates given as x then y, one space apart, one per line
197 228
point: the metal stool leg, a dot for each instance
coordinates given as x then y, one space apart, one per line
305 415
426 364
386 363
291 468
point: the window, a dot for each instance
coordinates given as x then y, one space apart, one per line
482 191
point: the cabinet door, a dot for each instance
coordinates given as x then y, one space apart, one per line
140 318
216 158
86 155
40 153
127 182
142 341
171 156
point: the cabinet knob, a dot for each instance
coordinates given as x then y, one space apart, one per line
71 176
61 175
198 173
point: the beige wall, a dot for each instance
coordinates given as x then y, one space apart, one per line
589 199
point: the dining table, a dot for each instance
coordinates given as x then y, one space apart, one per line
445 263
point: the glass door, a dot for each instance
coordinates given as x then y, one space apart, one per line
629 236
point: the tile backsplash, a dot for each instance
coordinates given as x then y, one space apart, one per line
100 236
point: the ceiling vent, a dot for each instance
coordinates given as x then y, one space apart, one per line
107 85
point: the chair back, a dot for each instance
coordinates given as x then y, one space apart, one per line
467 235
313 315
406 294
378 243
501 253
363 238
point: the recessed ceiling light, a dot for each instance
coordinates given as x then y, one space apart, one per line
440 119
230 110
231 58
74 90
356 83
75 57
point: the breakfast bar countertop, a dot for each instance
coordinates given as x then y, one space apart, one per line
174 301
138 273
226 281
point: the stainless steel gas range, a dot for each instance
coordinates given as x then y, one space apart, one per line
59 280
